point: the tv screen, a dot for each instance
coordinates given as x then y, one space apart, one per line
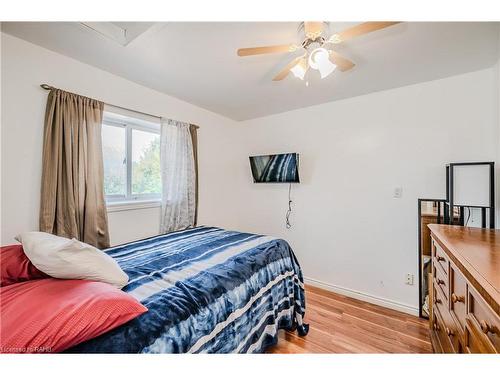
275 168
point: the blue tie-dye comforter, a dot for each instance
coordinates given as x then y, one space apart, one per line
208 290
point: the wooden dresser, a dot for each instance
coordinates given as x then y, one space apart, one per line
465 292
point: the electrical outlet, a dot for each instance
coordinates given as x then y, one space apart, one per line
409 279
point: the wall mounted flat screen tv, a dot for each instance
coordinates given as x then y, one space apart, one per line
275 168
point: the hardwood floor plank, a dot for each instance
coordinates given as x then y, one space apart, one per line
340 324
365 313
303 346
379 340
383 311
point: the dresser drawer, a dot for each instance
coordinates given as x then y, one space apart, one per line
441 281
440 258
475 342
458 293
438 300
442 332
450 329
483 318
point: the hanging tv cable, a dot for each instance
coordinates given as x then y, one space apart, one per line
289 211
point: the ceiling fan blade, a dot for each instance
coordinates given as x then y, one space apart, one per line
313 29
267 49
339 60
281 75
363 28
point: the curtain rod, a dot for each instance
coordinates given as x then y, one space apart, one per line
48 87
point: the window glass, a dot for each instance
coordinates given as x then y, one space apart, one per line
146 178
131 158
115 161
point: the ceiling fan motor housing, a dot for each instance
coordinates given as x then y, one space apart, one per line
308 42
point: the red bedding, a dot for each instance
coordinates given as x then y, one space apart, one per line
16 267
51 315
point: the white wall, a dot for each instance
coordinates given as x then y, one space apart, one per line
348 231
24 67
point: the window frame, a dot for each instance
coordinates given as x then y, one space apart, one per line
129 124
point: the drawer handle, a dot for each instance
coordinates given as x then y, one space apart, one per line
456 298
449 332
436 327
486 327
440 258
440 282
437 300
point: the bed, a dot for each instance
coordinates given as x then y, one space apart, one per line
207 290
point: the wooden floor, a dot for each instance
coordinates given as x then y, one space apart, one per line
339 324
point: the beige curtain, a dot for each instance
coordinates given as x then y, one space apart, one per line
72 196
193 129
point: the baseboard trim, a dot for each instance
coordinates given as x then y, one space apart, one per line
412 310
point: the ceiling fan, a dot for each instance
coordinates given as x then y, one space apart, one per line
319 53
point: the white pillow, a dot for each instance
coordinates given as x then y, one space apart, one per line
63 258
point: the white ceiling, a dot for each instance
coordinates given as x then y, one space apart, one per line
197 62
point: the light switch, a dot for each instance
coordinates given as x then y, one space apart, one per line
398 192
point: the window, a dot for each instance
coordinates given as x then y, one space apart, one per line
131 154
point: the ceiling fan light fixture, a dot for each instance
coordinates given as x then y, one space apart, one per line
299 70
327 69
319 59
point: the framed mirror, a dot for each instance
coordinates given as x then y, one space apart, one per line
430 211
435 211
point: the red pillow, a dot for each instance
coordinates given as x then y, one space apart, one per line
15 266
51 315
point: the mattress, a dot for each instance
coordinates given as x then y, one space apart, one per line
207 290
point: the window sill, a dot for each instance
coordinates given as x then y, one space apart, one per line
132 205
